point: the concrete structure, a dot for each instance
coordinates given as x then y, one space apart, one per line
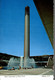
45 9
27 35
50 62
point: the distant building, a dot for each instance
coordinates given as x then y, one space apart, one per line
39 60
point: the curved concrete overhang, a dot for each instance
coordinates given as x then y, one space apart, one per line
45 10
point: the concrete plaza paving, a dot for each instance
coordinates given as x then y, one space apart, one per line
34 71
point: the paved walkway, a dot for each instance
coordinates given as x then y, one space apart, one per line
37 71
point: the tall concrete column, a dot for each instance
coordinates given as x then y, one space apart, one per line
27 35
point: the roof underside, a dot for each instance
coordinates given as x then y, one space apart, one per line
45 9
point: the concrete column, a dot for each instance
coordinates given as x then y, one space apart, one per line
27 35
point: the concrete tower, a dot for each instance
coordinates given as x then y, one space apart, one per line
27 35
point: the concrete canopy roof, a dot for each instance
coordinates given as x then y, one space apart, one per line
45 9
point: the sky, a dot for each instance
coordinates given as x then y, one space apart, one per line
12 19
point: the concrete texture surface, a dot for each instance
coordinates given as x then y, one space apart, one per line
36 71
